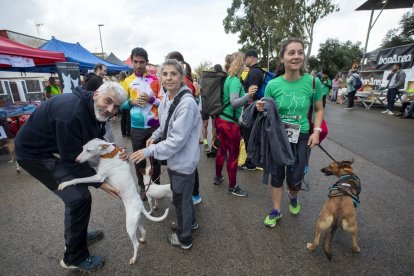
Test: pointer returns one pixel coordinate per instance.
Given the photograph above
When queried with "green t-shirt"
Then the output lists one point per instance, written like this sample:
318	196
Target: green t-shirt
232	85
294	99
325	88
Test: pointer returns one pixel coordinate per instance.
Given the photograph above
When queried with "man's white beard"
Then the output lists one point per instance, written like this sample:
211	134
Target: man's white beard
99	116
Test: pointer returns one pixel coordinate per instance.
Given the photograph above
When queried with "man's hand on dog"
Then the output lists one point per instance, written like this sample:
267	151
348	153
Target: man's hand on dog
123	154
111	190
137	156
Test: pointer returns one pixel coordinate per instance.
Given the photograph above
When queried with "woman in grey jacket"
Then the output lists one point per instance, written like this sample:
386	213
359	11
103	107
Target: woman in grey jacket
180	148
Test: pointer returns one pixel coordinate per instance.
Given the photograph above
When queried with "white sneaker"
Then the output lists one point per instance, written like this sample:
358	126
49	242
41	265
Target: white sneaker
390	113
385	111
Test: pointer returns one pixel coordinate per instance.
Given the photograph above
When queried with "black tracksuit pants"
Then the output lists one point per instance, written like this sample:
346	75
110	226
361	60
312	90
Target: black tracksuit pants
77	200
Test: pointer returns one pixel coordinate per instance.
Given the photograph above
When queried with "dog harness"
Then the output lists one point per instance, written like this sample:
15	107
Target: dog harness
343	188
112	154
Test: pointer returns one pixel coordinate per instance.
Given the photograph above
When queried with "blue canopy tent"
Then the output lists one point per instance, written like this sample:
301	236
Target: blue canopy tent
74	52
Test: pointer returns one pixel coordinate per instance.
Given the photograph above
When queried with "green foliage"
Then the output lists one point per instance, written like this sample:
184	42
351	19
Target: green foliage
264	24
313	62
402	35
335	56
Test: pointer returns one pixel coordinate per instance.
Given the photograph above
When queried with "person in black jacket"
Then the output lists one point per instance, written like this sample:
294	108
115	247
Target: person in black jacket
254	78
47	146
94	80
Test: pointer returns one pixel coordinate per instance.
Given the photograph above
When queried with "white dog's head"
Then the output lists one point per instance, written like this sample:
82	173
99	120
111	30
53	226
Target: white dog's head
94	148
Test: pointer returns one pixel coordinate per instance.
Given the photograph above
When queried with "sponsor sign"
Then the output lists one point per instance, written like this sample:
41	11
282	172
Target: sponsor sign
372	77
386	58
69	75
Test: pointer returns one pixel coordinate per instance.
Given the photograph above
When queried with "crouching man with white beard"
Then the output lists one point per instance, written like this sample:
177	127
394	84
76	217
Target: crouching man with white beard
60	127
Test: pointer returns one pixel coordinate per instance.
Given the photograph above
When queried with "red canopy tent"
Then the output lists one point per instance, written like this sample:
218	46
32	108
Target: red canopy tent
128	61
11	49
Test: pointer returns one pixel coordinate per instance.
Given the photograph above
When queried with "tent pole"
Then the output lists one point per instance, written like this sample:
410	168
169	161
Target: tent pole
366	41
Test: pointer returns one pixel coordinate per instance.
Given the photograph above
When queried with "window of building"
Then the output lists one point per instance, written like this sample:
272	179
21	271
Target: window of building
33	86
2	88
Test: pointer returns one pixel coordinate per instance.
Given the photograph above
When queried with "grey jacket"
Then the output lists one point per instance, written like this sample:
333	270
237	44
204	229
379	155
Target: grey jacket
268	146
181	148
351	81
399	79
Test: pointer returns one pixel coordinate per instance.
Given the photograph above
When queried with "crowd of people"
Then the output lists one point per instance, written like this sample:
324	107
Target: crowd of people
161	116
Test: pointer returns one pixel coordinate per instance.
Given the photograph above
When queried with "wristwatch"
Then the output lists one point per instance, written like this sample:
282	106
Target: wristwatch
317	129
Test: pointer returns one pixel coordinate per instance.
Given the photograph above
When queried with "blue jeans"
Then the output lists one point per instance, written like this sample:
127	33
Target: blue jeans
391	95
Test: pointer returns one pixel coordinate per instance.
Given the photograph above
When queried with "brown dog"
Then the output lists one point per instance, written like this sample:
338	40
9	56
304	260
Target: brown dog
9	145
339	209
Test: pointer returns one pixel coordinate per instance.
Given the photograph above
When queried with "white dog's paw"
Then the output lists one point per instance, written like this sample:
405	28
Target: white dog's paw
62	186
141	240
132	260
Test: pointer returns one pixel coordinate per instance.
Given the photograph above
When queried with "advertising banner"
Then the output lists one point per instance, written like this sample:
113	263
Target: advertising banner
69	75
372	77
386	58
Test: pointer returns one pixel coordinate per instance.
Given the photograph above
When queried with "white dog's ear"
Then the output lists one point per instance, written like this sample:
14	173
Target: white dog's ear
104	146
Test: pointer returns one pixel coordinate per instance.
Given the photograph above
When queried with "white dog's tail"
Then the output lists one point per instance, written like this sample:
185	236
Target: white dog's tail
155	218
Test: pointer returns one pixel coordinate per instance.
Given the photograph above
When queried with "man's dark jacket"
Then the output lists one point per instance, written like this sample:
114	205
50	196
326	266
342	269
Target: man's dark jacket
92	82
254	77
268	145
62	125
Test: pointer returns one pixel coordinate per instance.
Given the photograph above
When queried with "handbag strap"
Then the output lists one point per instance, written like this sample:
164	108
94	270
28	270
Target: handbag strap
174	104
313	99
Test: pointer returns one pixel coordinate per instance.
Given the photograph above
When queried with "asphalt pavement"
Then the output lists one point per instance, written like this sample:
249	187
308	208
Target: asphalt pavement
232	239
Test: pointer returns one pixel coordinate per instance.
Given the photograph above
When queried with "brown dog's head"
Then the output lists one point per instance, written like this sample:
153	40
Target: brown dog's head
338	168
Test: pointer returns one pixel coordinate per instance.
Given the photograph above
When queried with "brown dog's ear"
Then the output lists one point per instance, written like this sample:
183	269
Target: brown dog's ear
104	146
349	162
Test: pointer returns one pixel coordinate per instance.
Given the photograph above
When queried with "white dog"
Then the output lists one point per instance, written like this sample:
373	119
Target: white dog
154	191
116	172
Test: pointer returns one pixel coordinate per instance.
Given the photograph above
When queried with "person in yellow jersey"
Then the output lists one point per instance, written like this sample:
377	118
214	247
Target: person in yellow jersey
53	88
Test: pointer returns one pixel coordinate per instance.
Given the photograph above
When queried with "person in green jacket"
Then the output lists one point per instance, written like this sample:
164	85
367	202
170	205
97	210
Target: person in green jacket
326	87
53	88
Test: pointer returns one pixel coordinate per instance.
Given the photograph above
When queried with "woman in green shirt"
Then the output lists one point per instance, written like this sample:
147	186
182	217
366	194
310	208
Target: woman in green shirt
227	124
293	92
326	88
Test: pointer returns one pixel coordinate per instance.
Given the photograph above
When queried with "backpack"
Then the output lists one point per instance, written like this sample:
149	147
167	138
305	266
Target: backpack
358	82
267	76
212	85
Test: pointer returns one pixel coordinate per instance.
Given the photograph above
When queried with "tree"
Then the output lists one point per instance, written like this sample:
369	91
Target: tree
262	24
313	62
205	65
402	35
335	56
312	11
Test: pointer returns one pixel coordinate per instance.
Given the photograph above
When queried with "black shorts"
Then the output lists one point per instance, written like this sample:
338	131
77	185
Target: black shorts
204	115
294	174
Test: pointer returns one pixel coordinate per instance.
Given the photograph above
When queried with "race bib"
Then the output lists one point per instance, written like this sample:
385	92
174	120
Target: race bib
293	131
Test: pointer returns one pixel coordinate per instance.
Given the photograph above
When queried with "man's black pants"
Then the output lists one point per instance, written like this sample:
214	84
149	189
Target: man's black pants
77	200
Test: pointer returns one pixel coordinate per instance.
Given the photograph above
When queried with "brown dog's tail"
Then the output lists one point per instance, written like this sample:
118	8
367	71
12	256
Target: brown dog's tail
328	240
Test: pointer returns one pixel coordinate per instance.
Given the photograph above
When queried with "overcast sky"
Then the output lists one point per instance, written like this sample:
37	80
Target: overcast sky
193	27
